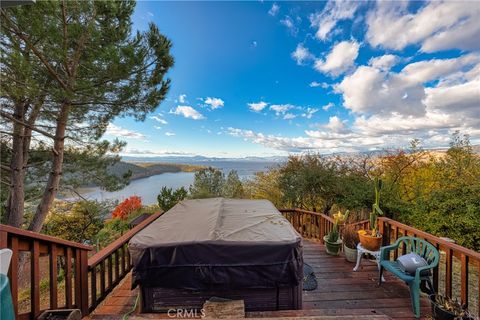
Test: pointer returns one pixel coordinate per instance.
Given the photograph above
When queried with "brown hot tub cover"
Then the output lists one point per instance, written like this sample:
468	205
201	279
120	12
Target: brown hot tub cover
218	244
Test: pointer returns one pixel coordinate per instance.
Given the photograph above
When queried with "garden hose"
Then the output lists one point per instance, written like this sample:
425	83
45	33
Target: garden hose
126	315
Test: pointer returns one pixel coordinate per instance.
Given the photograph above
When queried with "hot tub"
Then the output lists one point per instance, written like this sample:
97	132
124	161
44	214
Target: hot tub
227	248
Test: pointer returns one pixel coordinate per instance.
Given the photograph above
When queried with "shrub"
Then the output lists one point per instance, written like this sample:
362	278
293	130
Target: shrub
169	198
127	207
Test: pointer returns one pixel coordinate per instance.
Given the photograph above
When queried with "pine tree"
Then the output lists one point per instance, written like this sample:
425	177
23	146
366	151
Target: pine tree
70	68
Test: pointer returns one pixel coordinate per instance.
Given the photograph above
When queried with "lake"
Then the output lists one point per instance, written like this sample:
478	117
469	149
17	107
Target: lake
148	188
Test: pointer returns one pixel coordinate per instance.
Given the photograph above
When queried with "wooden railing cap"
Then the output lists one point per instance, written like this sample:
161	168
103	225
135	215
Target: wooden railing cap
430	237
42	237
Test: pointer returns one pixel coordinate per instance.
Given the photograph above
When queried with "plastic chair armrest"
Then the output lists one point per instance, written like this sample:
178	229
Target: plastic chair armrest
384	251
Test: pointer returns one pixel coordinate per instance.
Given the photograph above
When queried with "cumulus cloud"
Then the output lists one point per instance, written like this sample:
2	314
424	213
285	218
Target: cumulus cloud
334	11
169	134
214	103
187	112
274	10
340	59
159	118
436	26
257	106
289	116
301	55
117	131
375	91
335	124
385	62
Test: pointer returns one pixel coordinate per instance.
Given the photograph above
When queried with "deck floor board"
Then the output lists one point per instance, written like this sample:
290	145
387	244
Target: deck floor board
341	292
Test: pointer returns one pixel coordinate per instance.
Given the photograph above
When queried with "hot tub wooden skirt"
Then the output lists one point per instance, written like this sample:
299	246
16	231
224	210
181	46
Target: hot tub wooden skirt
161	300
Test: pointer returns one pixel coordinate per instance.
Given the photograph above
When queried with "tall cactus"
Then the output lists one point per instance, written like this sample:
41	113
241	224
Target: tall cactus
376	211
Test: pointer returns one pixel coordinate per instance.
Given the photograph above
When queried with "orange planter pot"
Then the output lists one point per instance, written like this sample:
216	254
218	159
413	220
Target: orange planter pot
370	242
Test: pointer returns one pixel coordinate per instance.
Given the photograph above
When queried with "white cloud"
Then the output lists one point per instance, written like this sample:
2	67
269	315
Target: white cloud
169	134
117	131
182	98
333	12
214	103
335	124
385	62
274	10
281	108
159	119
257	106
328	106
340	59
289	116
309	112
374	91
290	24
301	54
158	127
153	153
187	112
436	26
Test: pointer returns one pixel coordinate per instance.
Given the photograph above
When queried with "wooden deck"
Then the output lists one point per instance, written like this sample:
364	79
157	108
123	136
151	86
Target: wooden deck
341	293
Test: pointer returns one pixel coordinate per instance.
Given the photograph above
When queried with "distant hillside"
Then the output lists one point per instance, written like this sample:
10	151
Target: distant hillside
146	169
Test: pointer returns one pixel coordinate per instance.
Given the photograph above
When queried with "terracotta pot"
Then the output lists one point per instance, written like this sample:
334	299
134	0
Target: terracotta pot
332	248
370	242
350	254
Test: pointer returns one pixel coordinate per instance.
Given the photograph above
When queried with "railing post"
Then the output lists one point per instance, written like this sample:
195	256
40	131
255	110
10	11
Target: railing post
53	276
84	282
35	279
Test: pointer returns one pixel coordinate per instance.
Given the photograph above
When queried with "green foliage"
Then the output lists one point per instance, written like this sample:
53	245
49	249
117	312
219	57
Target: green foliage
75	221
72	68
208	183
111	230
265	185
211	182
437	193
312	181
169	197
233	187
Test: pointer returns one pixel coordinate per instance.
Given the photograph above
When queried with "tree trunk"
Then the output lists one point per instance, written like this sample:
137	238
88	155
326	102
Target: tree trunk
16	205
53	182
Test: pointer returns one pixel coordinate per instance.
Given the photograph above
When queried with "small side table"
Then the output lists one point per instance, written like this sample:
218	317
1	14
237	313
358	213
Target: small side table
361	251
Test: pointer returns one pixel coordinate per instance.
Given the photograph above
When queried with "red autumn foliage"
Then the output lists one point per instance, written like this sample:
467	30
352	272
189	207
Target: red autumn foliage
124	209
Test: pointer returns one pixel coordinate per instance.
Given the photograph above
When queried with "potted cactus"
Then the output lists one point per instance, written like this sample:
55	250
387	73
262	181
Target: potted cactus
372	239
333	243
350	241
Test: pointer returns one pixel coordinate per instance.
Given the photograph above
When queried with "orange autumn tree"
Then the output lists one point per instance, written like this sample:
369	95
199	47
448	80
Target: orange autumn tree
125	208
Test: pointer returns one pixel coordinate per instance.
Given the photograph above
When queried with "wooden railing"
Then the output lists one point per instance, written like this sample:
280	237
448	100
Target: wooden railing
33	251
457	276
86	281
110	265
458	273
315	225
89	280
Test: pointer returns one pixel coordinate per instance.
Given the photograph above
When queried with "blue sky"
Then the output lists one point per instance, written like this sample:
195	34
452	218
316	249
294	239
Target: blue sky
272	78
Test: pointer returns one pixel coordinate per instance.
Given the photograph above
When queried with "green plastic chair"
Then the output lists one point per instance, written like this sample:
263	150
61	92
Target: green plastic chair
424	249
